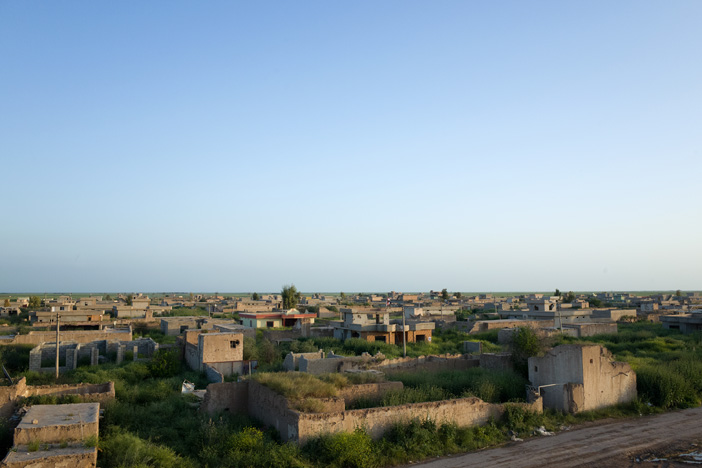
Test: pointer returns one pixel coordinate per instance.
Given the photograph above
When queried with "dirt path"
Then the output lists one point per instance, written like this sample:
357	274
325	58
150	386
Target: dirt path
627	443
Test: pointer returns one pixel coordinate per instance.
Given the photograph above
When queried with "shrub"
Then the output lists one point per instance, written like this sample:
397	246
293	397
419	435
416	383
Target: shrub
343	450
666	388
124	449
165	363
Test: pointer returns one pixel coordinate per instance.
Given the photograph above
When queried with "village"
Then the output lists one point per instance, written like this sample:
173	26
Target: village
305	368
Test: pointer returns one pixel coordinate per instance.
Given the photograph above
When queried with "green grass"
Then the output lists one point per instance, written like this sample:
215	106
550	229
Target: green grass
300	385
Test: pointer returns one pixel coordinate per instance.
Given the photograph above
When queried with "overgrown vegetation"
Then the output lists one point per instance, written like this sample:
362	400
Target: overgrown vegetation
150	424
490	386
668	364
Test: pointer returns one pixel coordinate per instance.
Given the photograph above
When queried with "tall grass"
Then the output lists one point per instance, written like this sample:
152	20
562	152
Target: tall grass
300	385
490	386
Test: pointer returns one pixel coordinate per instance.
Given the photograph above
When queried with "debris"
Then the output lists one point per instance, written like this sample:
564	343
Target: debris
187	387
542	431
516	439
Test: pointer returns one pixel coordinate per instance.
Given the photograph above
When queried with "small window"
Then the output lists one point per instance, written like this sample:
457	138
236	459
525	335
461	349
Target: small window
269	324
536	368
234	344
590	361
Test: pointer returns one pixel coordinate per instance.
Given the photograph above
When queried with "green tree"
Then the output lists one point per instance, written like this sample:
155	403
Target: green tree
129	299
7	302
458	295
34	302
255	297
291	296
108	297
678	293
526	343
570	297
342	296
557	293
444	294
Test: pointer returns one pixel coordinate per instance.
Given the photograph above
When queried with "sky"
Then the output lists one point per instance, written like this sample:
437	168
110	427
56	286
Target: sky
350	146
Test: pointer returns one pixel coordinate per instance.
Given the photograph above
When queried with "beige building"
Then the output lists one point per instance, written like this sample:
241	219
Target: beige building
577	378
217	354
276	318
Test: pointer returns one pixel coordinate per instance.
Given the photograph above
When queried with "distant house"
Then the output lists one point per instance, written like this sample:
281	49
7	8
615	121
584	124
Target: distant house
375	325
577	378
276	318
686	323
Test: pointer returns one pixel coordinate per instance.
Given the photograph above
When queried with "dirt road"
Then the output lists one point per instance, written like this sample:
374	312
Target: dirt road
646	442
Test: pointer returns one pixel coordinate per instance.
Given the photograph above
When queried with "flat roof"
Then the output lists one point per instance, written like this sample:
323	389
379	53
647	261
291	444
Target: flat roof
60	415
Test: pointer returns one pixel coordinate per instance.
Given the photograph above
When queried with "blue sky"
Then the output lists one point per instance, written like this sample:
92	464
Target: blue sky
357	146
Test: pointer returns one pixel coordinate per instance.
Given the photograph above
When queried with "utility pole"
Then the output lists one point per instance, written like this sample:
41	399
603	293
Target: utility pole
404	335
58	316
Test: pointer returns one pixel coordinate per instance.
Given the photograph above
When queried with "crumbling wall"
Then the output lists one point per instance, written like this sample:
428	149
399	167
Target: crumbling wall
605	382
581	378
271	409
429	363
89	392
9	395
376	421
332	364
228	396
77	336
496	361
73	457
292	360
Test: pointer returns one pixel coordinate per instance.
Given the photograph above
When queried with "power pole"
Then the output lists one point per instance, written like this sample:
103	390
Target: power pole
404	335
58	316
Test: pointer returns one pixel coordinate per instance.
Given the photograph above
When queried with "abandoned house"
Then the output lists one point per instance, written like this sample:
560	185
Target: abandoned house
577	378
686	323
72	354
375	325
217	354
276	318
